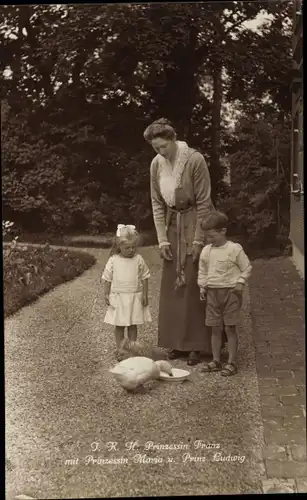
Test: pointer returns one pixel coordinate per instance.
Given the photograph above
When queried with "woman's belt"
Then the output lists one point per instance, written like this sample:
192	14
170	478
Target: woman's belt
180	275
183	210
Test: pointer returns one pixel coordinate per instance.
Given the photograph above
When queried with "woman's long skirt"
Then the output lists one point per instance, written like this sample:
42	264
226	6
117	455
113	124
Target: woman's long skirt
181	313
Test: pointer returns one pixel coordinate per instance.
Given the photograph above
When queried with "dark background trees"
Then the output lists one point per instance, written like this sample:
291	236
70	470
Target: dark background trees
81	82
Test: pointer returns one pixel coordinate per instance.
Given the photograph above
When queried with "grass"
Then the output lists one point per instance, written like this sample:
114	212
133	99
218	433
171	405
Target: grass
147	238
31	272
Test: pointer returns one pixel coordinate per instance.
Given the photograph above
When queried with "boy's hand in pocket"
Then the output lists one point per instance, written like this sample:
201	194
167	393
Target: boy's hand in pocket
238	290
203	294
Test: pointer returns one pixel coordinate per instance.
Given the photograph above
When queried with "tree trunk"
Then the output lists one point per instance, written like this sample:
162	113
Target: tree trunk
176	101
215	165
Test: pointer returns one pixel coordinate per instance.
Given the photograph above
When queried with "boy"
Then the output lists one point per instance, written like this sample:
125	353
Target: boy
223	271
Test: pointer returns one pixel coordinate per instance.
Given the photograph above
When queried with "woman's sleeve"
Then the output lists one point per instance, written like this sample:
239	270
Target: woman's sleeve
158	205
144	273
202	189
107	274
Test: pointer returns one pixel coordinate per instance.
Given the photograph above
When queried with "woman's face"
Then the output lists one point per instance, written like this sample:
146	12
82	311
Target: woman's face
164	147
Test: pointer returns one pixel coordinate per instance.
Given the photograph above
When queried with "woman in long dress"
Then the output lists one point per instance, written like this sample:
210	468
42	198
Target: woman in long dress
181	198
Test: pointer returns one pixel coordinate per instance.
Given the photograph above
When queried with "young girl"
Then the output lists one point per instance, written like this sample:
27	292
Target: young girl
126	286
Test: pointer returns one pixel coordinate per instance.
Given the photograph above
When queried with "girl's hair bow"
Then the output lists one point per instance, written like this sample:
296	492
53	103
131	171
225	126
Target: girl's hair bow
120	227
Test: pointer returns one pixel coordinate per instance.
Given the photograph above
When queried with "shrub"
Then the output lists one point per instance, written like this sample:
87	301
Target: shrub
30	272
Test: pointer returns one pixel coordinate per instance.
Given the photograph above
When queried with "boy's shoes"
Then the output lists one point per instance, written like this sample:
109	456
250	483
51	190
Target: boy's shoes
213	366
194	358
229	369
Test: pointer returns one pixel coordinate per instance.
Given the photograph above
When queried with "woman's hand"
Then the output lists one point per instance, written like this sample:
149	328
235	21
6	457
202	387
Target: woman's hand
166	252
196	251
107	300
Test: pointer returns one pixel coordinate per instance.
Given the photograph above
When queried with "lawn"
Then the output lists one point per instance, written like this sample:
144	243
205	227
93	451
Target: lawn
147	238
104	240
29	272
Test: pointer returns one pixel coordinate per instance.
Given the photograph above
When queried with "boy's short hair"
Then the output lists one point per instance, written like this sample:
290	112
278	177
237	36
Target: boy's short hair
217	220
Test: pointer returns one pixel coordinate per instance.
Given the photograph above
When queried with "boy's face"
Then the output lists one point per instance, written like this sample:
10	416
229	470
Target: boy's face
216	237
128	249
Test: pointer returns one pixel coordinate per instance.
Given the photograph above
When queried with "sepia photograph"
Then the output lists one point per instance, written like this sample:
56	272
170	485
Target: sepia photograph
153	249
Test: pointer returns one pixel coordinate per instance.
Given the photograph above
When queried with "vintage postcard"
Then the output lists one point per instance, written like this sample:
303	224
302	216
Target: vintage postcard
153	243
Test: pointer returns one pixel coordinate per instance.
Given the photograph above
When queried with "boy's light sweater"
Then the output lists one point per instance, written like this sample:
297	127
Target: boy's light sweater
223	267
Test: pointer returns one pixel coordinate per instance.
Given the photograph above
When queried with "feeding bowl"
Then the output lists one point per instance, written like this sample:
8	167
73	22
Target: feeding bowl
179	375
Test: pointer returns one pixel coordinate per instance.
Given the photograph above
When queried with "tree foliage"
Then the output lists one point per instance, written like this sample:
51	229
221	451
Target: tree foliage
258	202
82	82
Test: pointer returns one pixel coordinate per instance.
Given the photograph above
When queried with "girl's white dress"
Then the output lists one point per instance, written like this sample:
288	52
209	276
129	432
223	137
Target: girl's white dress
126	276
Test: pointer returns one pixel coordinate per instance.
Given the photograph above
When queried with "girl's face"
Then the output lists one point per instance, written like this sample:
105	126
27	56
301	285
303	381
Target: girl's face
164	147
128	249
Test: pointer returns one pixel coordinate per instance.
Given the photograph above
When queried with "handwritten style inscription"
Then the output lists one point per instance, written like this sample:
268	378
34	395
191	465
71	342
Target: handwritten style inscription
188	453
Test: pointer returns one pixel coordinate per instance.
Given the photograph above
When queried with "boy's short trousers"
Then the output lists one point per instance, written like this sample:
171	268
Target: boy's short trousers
222	307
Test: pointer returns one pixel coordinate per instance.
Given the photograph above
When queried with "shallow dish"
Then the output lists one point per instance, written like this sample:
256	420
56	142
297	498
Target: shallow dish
178	375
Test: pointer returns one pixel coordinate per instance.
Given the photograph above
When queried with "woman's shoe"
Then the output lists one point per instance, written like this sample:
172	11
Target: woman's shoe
194	358
174	354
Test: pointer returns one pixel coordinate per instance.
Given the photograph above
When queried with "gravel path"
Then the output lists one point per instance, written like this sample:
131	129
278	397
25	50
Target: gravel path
60	400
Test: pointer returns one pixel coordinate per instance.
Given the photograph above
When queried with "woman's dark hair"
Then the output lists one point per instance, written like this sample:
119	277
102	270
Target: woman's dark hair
162	128
217	220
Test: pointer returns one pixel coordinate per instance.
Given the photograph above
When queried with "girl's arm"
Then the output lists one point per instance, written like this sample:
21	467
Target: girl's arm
145	293
144	275
107	288
107	277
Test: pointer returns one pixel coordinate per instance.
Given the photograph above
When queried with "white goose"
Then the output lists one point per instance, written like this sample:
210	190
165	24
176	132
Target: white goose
133	373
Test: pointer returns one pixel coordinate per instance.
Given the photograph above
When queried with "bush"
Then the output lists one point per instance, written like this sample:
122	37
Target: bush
30	272
257	202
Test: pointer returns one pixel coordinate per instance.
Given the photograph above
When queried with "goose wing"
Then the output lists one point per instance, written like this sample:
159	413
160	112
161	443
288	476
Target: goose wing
137	362
134	372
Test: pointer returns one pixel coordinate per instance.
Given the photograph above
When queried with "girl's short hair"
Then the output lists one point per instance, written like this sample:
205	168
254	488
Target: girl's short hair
119	240
217	220
162	128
